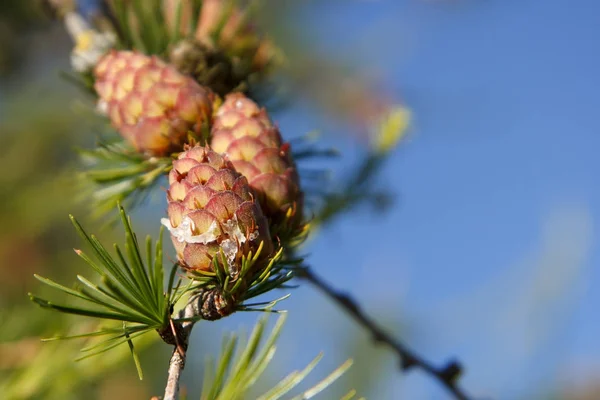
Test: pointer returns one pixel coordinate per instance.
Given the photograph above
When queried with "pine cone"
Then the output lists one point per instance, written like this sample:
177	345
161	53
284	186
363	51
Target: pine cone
150	103
243	132
213	213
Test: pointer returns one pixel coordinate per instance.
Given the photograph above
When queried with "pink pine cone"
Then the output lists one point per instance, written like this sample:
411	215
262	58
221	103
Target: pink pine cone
150	103
212	211
243	132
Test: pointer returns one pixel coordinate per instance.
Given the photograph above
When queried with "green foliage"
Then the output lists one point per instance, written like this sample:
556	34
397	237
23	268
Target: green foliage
235	373
143	26
150	33
47	371
117	174
274	276
131	290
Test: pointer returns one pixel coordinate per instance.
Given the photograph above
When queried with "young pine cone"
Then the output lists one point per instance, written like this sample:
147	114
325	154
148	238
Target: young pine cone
213	217
150	103
243	132
210	67
226	51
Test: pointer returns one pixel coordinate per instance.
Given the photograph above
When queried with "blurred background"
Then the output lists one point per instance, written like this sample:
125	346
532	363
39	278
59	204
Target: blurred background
488	253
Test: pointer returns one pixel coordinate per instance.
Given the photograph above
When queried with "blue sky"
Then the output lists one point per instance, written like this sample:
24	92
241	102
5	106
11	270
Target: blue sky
490	252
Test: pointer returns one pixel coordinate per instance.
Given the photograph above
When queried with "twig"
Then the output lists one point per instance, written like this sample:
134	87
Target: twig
176	366
181	336
447	375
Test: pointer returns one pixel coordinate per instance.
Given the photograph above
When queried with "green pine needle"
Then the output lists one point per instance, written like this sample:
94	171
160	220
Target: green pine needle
136	359
349	396
131	290
233	375
117	174
325	383
151	34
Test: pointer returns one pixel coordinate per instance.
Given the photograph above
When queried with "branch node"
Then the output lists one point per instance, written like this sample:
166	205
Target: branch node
172	334
451	372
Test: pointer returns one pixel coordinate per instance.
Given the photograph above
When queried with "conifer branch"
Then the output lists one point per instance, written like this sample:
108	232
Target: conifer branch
447	375
180	340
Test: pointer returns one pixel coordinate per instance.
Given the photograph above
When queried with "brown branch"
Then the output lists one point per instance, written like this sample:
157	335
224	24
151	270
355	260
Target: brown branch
447	375
178	335
176	366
